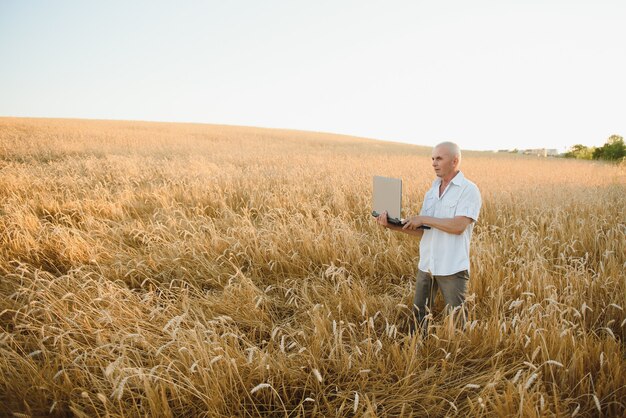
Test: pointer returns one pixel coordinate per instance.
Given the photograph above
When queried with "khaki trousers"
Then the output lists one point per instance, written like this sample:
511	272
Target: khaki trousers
453	288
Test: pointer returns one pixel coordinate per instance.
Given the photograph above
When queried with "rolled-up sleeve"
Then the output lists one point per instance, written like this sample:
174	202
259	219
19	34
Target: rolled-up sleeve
469	203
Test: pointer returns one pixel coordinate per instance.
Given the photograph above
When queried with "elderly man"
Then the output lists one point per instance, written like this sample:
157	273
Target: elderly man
450	208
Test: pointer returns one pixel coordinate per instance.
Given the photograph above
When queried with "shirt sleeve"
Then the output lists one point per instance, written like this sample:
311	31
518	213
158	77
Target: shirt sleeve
469	203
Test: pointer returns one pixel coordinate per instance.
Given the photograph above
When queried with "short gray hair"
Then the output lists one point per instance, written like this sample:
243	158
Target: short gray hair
453	148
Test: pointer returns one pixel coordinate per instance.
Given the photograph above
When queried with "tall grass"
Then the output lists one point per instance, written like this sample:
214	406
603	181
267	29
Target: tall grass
191	270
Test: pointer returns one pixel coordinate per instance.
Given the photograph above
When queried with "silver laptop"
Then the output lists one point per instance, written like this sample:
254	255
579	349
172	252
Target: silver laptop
387	196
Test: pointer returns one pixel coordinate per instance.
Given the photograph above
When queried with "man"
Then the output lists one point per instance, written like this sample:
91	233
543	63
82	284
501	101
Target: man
450	208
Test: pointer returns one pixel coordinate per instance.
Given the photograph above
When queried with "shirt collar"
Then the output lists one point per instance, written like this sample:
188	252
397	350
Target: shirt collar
459	180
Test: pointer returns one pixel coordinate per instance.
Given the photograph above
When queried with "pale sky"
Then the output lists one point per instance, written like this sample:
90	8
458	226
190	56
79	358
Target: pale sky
485	74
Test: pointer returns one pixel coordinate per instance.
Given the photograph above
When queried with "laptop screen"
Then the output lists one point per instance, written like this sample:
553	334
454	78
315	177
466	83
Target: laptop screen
387	196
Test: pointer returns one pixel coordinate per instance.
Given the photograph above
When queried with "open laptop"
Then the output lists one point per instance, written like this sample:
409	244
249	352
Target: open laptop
387	196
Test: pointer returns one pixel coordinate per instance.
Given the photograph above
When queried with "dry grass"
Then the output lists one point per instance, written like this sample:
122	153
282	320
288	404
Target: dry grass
187	270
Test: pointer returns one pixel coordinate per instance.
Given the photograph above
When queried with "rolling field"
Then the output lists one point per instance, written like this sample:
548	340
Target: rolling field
153	269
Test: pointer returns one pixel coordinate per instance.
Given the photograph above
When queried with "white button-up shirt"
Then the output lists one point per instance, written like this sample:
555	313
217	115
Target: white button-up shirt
442	253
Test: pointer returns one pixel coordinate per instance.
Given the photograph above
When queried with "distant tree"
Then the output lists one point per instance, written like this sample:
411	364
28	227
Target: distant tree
580	152
613	150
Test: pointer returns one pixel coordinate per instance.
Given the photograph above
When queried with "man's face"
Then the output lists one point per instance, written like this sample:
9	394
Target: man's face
443	161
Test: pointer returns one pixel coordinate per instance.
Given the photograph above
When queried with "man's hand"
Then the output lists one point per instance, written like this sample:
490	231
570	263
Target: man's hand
414	222
382	219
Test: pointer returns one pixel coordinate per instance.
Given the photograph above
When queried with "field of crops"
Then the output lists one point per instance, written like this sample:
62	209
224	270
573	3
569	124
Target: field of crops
153	269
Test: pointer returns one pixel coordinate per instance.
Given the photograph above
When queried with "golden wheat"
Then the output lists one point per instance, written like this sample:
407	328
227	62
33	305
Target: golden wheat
193	270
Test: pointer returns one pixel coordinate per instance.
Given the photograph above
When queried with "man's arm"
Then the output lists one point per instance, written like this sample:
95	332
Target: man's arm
454	225
382	220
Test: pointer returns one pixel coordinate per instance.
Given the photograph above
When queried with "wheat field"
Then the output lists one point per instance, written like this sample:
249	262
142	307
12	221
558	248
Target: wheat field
154	269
